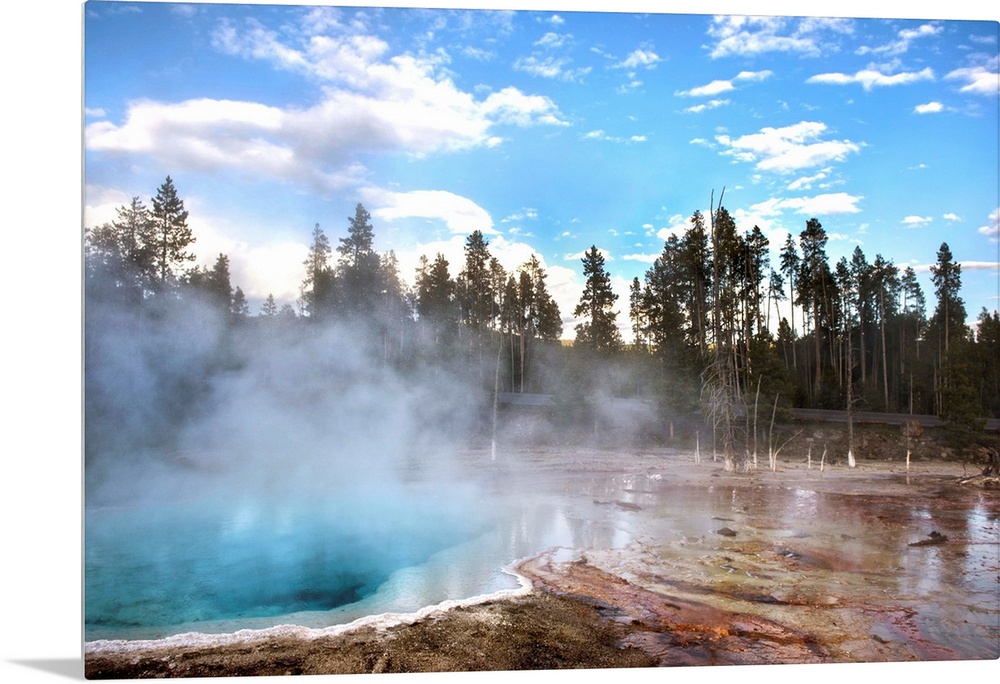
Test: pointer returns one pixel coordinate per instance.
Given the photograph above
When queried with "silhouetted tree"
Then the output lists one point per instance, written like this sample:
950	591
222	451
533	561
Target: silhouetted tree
360	276
317	288
599	329
170	234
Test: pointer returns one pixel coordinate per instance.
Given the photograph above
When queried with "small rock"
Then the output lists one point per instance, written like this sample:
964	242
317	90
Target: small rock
934	537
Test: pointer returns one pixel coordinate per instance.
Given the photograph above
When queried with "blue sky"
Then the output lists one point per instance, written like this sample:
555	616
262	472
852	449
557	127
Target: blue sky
549	130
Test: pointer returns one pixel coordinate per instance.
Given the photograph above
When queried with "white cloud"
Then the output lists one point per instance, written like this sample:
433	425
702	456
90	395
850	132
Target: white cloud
788	149
543	63
525	214
459	214
951	216
818	205
916	220
677	226
872	78
980	265
552	40
640	58
720	86
511	106
599	134
807	182
904	39
549	66
478	53
371	102
749	36
929	108
643	258
992	227
711	104
979	80
577	256
714	88
101	205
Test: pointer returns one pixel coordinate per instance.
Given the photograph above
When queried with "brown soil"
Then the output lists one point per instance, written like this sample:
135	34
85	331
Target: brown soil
541	631
612	609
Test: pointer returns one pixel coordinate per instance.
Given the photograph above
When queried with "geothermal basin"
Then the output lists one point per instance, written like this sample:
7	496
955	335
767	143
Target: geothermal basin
695	565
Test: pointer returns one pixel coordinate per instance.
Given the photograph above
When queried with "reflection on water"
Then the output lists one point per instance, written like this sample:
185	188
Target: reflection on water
332	562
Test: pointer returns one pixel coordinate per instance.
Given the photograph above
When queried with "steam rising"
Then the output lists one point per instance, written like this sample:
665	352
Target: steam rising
297	410
292	457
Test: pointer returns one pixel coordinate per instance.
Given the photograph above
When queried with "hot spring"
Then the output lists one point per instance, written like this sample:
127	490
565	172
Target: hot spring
218	564
158	569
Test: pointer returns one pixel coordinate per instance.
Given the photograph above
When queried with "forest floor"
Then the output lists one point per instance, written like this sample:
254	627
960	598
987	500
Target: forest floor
751	591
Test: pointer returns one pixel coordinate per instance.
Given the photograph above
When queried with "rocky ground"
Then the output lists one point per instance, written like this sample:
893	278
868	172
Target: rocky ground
652	604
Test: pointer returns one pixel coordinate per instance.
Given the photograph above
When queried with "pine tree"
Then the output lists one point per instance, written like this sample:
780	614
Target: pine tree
359	267
476	297
171	235
317	289
599	329
637	313
240	307
988	358
119	256
816	287
537	315
696	265
790	267
949	317
269	308
395	313
911	327
947	327
435	304
663	302
219	286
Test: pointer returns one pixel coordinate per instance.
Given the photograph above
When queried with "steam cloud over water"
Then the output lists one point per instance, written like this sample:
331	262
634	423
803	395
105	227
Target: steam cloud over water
259	471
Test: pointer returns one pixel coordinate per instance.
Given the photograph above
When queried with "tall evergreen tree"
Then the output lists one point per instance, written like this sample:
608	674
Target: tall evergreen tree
599	329
269	308
849	281
476	296
214	283
885	289
119	256
946	328
696	265
664	300
637	314
240	308
913	318
949	316
988	360
435	294
359	267
395	312
757	267
436	306
544	319
816	286
317	288
171	235
790	267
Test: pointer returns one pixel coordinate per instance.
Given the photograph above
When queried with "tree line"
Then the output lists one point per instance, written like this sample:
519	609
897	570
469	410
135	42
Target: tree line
141	262
707	332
